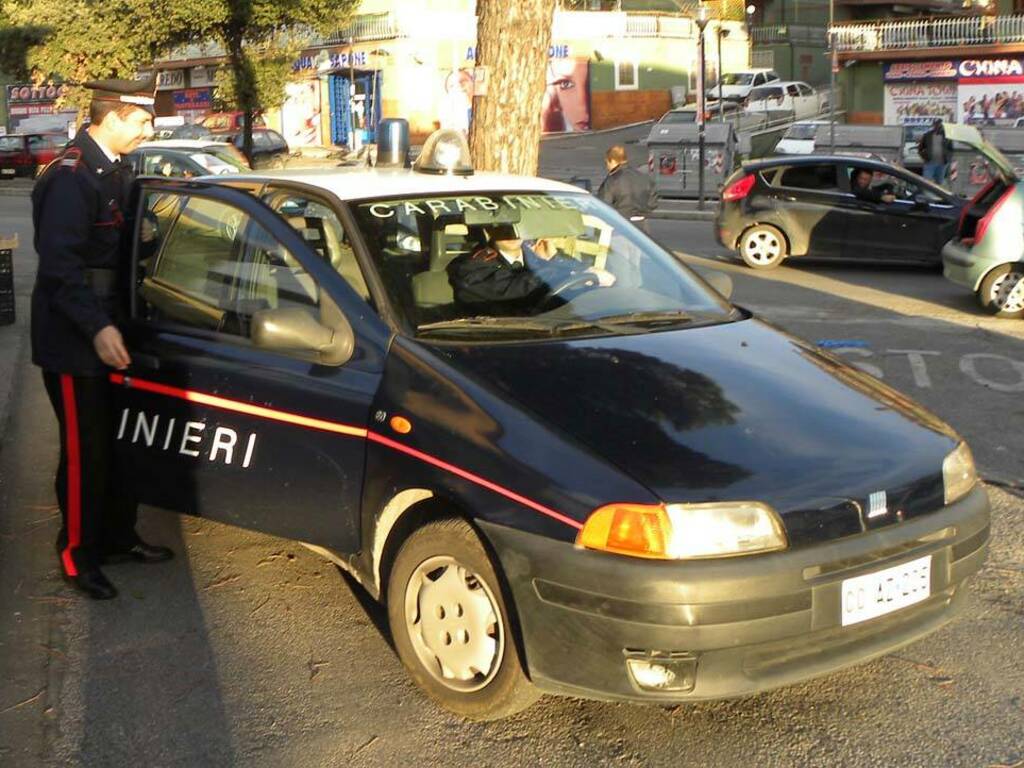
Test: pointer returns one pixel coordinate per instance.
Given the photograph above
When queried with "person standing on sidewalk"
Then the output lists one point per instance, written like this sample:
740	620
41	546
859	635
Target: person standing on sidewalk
627	190
936	151
79	204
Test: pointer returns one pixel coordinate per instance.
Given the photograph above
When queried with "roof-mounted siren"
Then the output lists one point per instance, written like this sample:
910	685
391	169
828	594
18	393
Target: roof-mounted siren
393	143
446	152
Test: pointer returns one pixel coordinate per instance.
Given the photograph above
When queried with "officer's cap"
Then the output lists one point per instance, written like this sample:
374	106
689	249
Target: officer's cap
139	93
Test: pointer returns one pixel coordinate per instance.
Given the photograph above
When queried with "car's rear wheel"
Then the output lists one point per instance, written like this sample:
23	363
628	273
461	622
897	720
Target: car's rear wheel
763	247
451	626
1002	291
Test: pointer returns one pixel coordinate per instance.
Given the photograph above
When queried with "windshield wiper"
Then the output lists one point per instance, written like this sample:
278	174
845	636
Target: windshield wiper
487	321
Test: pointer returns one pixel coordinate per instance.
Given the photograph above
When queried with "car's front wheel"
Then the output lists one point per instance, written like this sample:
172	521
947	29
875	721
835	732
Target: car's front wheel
451	626
763	247
1002	291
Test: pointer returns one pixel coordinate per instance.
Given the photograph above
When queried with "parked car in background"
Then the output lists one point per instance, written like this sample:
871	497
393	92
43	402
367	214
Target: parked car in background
228	121
986	255
191	131
23	154
736	86
222	149
150	160
793	96
805	206
688	114
799	138
269	149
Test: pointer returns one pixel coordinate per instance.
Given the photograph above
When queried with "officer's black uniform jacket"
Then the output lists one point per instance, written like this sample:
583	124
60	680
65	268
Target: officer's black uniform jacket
629	192
486	283
79	206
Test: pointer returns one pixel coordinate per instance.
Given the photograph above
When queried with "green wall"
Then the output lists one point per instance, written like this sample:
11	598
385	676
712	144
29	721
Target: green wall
862	87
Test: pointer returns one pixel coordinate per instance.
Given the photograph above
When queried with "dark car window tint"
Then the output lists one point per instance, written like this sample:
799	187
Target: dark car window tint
276	140
217	268
817	177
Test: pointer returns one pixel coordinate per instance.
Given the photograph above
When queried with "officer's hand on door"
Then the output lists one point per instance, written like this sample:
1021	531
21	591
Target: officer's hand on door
110	348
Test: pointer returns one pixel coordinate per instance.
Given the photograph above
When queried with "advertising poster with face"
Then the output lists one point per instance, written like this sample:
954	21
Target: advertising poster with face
300	114
457	106
566	106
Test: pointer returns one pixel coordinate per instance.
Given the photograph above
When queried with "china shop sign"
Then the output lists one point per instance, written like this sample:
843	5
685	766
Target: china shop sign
1008	70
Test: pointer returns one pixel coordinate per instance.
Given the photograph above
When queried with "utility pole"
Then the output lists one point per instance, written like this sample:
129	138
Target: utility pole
702	21
833	65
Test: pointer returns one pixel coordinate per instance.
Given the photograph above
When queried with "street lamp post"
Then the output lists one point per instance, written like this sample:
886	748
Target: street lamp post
721	93
832	65
702	21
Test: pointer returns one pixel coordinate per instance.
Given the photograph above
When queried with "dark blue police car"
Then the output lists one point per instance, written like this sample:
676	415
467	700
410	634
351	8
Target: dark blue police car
562	460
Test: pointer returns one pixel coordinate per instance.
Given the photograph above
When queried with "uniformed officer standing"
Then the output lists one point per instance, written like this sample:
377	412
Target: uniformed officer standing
79	205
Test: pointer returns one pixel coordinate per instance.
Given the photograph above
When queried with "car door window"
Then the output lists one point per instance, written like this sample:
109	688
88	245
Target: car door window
319	226
9	144
758	80
276	140
261	140
805	90
215	268
154	164
822	178
772	76
792	90
903	189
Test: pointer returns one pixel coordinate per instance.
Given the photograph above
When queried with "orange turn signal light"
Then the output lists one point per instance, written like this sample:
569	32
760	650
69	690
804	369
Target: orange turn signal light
401	425
640	530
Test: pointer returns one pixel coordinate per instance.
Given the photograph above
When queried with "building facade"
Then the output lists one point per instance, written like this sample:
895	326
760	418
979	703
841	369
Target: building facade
415	59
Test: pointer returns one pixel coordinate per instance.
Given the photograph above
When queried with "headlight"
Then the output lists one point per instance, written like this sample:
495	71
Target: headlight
958	473
684	531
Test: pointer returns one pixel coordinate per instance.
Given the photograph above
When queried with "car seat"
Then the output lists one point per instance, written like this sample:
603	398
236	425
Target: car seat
432	288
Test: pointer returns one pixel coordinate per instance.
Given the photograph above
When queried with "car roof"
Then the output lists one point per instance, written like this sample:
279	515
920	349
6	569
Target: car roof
362	183
182	143
753	71
778	83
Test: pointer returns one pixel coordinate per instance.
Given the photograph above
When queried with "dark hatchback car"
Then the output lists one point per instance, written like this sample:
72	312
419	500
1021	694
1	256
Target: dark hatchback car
269	148
22	154
617	486
805	206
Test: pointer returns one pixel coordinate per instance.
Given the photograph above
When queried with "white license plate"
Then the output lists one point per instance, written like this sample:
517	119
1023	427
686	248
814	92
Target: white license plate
876	594
6	171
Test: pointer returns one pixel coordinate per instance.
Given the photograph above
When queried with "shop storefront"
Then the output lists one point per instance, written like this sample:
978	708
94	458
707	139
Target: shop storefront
33	109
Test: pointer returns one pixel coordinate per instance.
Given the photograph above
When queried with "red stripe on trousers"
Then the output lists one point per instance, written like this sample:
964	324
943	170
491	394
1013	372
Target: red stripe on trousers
74	474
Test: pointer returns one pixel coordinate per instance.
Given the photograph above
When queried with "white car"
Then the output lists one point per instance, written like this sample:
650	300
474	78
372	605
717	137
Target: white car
736	86
794	96
799	138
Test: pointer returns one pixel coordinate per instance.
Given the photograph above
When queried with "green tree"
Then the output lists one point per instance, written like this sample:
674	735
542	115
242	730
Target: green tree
79	40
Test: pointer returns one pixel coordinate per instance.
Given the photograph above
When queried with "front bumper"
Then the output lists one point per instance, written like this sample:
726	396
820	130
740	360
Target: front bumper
960	265
747	624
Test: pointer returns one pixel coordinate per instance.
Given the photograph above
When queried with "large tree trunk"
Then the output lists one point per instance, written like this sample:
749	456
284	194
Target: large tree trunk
245	89
513	39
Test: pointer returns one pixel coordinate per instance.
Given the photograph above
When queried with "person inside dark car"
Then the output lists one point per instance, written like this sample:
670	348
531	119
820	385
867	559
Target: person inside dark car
860	183
511	277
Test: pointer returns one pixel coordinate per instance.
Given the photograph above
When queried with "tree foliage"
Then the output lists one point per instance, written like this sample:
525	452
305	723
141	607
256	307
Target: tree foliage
79	40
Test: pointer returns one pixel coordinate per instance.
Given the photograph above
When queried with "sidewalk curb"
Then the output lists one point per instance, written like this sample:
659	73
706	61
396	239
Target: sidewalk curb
15	191
683	215
586	134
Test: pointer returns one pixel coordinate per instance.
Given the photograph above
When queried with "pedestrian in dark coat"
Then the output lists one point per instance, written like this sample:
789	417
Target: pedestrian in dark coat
627	190
80	204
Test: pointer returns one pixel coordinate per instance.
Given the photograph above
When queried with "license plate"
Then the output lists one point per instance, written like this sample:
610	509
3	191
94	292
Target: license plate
6	171
876	594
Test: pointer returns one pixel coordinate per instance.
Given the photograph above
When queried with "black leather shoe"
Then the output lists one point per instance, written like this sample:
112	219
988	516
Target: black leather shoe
140	552
93	583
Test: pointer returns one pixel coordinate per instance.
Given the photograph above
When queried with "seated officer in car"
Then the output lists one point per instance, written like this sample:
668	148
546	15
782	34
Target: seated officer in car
509	277
861	185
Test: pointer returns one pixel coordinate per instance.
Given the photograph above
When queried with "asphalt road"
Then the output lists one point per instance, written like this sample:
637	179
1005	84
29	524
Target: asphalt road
249	650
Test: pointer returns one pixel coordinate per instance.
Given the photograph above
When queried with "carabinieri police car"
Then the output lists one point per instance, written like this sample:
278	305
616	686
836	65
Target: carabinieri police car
562	460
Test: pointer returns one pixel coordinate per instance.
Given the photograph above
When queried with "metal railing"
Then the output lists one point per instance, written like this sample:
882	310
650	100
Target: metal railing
771	34
376	26
929	33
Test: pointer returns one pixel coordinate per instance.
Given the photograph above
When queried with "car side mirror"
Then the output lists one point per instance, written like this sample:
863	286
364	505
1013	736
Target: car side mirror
720	281
292	329
921	203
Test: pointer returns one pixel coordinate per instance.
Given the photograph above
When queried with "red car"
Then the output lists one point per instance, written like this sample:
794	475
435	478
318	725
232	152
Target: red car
22	154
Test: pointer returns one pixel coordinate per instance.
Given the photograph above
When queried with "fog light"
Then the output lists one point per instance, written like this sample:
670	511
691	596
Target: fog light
658	671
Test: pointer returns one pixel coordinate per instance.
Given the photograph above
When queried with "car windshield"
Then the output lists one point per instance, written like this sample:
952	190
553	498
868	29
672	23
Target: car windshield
737	78
212	163
801	131
526	265
767	92
681	116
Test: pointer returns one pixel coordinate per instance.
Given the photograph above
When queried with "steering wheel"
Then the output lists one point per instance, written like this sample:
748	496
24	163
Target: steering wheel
578	282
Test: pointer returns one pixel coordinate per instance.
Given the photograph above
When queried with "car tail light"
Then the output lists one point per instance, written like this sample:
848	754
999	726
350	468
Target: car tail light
738	189
982	227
